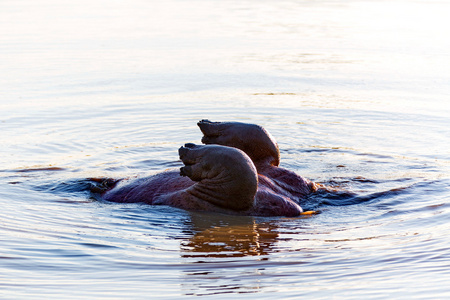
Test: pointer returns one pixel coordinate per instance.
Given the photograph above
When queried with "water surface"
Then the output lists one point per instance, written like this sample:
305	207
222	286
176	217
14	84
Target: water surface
355	92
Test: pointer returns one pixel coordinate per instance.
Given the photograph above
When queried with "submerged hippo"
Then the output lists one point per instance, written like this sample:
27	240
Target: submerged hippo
236	172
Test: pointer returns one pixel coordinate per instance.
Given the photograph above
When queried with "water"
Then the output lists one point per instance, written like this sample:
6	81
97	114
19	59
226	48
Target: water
355	92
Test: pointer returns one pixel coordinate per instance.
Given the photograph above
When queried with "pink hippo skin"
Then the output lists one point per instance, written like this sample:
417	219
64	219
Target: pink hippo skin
236	172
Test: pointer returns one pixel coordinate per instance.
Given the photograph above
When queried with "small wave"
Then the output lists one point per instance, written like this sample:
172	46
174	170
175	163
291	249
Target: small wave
71	186
344	198
337	197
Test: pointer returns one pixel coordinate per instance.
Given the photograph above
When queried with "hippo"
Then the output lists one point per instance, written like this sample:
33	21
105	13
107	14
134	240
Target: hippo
236	171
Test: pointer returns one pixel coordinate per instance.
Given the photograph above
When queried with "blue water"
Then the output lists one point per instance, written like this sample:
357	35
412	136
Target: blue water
355	92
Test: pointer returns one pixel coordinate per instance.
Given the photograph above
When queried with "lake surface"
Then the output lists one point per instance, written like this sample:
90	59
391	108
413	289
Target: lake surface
355	92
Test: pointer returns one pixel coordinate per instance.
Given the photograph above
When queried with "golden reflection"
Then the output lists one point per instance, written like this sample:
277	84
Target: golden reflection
228	236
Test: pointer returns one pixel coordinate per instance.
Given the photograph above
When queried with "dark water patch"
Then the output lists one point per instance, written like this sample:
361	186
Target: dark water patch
319	149
73	201
95	245
35	169
14	182
11	257
40	169
340	181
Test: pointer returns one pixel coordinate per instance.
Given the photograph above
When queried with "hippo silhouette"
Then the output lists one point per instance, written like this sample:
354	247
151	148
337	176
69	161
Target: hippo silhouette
236	171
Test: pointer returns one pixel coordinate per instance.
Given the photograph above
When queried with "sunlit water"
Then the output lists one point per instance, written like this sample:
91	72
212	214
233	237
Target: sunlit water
355	92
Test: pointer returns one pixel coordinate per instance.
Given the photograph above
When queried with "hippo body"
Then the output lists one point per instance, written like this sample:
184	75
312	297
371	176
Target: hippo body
235	172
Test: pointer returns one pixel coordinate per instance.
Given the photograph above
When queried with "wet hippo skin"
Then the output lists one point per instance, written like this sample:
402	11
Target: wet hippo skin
236	172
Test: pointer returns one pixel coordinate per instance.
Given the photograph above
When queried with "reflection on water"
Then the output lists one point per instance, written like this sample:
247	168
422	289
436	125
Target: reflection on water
218	245
355	92
225	237
215	237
